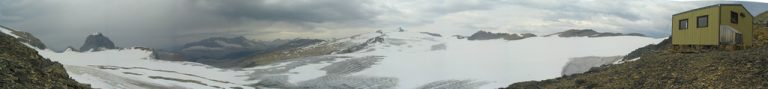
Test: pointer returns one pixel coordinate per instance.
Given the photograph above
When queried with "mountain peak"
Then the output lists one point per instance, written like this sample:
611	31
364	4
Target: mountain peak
97	41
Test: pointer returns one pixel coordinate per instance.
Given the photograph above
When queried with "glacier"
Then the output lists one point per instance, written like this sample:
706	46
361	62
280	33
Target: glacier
400	60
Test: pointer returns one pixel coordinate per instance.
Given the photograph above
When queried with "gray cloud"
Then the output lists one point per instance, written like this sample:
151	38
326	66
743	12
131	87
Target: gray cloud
300	11
167	23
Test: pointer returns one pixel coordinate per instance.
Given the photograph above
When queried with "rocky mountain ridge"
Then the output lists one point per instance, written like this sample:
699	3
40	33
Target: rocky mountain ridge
590	33
484	35
22	68
25	37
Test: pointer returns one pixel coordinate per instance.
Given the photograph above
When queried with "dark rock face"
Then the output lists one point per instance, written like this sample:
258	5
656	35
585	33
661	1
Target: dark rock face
25	37
483	35
97	42
22	68
590	33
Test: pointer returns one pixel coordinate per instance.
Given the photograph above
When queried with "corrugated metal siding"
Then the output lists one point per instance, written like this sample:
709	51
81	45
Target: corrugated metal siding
744	24
695	35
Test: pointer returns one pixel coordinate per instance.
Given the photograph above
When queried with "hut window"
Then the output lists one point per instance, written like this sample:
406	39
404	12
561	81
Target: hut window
702	21
734	17
683	24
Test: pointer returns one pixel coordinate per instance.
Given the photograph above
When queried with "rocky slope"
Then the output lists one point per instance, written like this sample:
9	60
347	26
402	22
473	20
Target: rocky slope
22	68
761	20
25	37
660	68
96	42
719	69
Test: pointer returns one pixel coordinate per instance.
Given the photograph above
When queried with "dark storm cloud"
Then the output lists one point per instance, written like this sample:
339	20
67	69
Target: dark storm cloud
294	10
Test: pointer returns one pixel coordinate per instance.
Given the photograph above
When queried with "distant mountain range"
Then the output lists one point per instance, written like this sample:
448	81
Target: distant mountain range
223	52
590	33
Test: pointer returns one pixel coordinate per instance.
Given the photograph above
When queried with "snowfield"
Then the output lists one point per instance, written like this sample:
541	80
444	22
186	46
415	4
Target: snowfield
133	68
401	60
490	63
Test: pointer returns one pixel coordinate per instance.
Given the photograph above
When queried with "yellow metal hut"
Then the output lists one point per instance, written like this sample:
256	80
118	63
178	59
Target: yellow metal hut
715	25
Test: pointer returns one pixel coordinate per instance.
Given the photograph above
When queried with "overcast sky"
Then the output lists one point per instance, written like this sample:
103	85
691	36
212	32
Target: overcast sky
169	23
